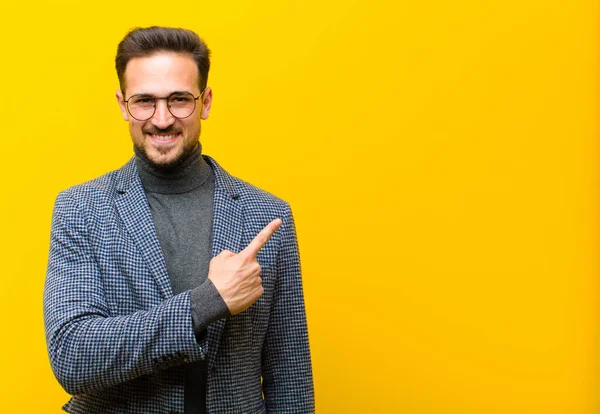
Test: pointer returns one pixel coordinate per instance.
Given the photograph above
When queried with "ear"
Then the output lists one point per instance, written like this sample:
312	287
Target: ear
122	105
206	103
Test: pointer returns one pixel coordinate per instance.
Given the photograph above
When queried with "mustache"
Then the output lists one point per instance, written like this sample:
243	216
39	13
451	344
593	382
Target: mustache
157	131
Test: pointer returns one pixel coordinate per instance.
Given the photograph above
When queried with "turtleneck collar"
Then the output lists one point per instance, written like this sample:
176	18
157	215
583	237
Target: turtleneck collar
189	174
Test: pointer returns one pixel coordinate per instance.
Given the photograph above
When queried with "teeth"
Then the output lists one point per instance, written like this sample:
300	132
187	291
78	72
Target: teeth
163	137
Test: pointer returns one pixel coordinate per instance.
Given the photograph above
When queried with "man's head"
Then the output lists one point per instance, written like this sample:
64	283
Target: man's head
158	62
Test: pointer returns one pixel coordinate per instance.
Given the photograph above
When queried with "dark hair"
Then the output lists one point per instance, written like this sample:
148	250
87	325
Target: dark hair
146	41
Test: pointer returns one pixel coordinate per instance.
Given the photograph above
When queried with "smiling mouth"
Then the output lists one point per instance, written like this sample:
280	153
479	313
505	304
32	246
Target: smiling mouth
164	138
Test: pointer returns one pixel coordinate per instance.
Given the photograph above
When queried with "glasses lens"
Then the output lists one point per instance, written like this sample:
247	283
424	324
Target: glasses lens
181	105
141	107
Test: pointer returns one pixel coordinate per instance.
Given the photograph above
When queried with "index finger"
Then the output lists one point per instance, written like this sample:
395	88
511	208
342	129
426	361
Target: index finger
261	238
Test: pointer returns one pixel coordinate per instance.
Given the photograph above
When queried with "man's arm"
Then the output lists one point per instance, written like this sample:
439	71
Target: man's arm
286	364
89	349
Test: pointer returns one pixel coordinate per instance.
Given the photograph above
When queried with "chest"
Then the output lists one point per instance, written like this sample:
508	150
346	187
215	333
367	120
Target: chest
183	224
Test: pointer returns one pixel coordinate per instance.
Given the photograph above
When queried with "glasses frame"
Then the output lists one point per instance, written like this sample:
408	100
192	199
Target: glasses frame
166	98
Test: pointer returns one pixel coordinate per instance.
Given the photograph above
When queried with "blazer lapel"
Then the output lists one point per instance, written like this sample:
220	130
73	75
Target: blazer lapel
227	235
135	212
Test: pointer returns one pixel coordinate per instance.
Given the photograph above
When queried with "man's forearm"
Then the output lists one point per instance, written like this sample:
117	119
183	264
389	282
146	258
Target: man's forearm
92	352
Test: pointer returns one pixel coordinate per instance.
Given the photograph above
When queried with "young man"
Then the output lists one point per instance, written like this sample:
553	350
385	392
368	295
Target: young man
173	287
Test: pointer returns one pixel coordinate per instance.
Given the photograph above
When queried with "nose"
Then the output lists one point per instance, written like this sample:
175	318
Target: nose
162	118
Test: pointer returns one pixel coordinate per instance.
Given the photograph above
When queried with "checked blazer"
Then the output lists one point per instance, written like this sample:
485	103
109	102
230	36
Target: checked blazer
117	337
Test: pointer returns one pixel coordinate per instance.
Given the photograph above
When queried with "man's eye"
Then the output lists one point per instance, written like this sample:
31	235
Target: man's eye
143	101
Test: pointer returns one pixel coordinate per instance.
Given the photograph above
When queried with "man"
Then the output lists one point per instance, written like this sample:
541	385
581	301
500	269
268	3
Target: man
173	287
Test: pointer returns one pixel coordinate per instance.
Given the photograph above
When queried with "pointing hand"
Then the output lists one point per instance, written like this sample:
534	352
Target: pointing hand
237	276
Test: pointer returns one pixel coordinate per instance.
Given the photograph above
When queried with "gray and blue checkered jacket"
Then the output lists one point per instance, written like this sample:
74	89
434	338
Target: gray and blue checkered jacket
117	337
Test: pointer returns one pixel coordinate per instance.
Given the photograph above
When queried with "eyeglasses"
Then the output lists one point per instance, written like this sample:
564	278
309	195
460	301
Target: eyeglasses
180	105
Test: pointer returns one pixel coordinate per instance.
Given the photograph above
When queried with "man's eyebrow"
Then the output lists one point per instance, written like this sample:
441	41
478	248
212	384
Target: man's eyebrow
142	94
180	92
154	96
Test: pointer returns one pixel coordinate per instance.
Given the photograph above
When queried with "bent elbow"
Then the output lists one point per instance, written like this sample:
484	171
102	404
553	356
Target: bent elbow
69	377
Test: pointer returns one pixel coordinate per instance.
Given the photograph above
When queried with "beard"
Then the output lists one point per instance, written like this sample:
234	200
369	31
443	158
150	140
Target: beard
177	161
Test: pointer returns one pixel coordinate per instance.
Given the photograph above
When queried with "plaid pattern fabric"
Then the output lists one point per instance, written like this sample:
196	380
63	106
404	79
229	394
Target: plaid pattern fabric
117	337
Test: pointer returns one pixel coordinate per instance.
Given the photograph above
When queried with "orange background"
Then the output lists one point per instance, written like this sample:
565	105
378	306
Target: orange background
440	157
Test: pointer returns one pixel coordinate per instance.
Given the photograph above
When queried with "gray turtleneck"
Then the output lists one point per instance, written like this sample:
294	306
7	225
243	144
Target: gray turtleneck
181	203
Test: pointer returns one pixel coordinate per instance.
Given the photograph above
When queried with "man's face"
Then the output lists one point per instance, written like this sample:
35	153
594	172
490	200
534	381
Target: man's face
164	139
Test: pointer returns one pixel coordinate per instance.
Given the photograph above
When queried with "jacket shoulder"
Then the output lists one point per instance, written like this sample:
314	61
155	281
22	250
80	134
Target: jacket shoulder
252	194
104	187
249	195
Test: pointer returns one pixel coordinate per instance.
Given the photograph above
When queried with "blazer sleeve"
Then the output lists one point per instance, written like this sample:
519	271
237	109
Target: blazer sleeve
89	349
286	362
